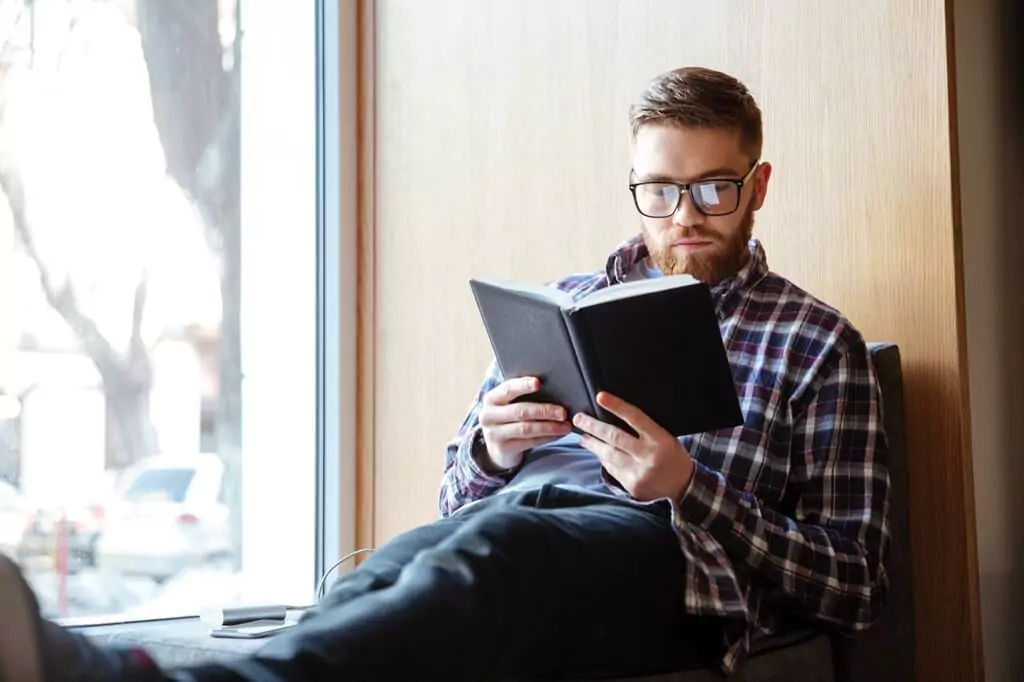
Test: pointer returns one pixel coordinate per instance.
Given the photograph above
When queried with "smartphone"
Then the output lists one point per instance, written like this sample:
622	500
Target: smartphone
254	630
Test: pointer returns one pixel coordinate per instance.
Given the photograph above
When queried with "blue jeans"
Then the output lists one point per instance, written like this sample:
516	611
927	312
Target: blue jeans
543	582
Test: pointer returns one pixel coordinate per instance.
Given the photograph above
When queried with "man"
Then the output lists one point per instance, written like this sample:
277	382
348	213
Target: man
606	551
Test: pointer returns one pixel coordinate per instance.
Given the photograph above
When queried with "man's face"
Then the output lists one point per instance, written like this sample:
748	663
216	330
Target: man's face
688	242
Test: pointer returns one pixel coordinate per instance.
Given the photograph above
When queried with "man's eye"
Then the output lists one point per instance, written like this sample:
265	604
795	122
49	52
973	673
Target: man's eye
709	193
664	191
716	193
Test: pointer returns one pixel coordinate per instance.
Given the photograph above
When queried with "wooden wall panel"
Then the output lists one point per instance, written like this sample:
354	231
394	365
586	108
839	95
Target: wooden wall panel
500	148
990	168
367	299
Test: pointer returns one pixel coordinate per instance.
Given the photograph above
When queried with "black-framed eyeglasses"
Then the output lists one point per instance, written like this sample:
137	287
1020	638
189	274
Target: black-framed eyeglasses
712	197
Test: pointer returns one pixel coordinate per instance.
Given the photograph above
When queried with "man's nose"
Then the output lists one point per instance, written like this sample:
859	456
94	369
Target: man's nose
686	214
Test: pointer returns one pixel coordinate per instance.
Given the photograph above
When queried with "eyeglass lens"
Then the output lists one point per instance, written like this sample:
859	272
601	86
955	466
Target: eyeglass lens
662	199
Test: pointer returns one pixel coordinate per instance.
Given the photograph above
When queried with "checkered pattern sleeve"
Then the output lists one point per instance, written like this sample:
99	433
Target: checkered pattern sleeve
827	557
464	481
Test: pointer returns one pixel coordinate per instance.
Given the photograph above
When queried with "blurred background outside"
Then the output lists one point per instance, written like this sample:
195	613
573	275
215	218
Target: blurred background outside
121	303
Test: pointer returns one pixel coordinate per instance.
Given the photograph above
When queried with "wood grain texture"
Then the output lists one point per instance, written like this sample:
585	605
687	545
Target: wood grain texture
973	635
501	150
367	307
989	162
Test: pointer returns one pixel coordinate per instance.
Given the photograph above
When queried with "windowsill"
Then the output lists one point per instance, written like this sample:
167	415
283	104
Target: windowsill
174	642
89	623
98	629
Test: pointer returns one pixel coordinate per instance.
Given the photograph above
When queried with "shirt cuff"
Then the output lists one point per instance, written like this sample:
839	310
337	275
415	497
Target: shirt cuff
610	481
472	468
702	501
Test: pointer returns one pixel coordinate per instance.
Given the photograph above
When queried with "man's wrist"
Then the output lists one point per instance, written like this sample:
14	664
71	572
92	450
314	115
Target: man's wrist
687	479
479	452
701	500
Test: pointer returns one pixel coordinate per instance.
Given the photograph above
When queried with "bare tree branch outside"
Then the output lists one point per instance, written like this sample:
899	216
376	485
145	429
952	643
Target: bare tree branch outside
194	84
123	291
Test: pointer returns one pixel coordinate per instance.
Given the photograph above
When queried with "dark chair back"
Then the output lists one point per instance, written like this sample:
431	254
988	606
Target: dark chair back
886	652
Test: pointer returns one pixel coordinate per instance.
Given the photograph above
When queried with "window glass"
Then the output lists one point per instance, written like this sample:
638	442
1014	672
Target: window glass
141	329
168	485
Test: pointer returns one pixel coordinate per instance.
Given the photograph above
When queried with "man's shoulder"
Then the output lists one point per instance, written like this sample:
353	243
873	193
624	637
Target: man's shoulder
792	307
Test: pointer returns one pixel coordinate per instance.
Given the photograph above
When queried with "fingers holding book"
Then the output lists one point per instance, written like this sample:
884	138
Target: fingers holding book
651	465
510	389
511	428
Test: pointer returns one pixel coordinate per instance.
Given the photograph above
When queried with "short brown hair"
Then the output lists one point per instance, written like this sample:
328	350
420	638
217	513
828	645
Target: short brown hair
695	97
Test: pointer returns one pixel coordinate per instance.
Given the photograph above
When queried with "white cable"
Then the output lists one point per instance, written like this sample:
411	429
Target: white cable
339	562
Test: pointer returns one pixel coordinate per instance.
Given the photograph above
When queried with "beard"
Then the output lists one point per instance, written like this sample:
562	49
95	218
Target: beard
710	265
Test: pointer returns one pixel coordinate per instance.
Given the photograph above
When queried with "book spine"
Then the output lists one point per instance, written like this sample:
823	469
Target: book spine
585	359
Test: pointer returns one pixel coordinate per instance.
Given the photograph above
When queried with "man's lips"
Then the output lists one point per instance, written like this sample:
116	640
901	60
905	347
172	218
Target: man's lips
692	243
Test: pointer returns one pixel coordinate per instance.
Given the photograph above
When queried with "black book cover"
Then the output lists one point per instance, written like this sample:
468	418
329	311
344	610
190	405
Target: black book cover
529	337
655	344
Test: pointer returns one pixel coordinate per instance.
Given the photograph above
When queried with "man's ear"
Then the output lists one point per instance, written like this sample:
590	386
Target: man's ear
761	177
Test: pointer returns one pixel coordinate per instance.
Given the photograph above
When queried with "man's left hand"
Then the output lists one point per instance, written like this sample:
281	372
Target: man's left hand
651	465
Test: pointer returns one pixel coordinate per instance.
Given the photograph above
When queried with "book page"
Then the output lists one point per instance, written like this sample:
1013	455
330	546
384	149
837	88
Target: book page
638	288
549	293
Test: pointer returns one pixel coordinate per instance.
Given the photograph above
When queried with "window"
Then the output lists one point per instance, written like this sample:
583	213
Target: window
168	304
168	485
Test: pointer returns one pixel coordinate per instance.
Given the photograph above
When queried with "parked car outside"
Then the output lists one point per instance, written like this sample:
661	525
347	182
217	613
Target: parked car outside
168	515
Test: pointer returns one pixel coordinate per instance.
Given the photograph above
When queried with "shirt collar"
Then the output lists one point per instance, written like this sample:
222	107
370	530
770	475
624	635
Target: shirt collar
725	293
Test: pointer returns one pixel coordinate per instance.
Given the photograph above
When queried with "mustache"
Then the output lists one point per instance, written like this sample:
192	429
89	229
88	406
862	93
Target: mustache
692	234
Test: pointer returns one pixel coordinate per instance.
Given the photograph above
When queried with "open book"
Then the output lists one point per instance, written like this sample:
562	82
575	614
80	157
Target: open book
654	343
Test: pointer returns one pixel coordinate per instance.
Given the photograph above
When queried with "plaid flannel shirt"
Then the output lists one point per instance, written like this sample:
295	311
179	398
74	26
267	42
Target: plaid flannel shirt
786	515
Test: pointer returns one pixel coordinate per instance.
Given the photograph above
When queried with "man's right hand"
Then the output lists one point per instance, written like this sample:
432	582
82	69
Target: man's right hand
510	429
